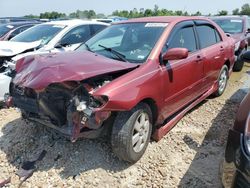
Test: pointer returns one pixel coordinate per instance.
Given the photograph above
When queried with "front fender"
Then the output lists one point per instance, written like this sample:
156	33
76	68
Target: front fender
128	90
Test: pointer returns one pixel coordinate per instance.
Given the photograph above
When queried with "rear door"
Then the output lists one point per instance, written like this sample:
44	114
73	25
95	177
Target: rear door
212	50
183	78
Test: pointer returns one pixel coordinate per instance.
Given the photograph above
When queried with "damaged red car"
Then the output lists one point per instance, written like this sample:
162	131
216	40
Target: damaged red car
133	80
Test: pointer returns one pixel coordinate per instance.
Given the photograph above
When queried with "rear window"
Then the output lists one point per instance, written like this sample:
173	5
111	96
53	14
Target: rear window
207	35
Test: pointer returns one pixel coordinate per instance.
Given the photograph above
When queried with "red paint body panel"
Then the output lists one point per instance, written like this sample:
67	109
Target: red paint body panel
171	86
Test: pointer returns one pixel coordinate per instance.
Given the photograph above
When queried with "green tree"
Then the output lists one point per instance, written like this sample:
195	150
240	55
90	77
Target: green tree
179	13
156	10
245	9
148	12
236	11
222	13
100	15
52	15
198	13
31	16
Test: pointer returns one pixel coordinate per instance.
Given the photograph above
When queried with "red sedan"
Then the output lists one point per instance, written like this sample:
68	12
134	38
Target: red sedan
134	79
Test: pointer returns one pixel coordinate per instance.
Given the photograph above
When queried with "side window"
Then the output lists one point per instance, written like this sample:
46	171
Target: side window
218	36
96	28
184	38
77	35
206	35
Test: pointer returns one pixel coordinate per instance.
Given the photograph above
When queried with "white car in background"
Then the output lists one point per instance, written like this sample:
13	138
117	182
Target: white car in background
50	37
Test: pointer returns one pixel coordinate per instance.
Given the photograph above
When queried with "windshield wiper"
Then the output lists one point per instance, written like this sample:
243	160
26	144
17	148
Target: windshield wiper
118	54
88	48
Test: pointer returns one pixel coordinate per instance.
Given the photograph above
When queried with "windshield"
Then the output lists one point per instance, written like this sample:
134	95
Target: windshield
5	29
132	41
40	32
231	26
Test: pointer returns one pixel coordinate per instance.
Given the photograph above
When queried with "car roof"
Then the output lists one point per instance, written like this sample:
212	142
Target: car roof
74	22
164	19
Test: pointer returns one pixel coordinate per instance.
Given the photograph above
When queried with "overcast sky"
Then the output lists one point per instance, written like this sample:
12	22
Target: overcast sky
25	7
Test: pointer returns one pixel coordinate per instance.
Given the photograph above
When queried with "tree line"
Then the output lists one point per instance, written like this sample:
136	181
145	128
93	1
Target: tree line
135	13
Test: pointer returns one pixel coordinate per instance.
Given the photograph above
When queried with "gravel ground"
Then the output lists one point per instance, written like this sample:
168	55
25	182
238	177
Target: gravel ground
188	156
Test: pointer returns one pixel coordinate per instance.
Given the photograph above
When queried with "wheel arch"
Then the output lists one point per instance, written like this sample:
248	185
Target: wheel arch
152	105
228	64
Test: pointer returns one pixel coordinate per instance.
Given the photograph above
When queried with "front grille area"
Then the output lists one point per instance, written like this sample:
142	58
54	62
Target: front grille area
50	103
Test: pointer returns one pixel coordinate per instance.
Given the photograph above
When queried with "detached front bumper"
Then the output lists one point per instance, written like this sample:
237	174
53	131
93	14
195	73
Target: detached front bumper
236	165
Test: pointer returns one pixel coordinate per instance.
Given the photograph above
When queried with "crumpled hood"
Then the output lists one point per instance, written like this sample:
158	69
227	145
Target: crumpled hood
11	48
38	72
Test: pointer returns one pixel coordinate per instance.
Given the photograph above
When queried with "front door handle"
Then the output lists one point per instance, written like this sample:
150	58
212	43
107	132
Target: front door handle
221	48
199	58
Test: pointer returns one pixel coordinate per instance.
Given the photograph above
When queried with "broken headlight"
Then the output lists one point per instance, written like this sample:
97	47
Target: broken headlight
98	101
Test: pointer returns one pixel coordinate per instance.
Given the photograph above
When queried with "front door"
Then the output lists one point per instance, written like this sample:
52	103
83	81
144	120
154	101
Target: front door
182	78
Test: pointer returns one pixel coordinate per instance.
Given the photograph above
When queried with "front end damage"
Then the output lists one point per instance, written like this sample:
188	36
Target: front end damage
68	107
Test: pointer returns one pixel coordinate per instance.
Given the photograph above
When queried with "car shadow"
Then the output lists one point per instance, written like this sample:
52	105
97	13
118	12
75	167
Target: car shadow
24	141
210	152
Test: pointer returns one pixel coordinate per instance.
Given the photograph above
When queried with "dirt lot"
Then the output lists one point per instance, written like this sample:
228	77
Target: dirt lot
189	156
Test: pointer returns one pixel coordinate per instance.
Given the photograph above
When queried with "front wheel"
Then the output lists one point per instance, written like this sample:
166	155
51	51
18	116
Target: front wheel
131	133
222	81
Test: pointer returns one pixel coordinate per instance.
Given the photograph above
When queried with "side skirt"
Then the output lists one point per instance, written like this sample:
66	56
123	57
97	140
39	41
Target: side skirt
163	130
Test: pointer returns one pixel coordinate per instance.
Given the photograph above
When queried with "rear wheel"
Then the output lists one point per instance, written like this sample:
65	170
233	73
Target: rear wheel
131	133
222	81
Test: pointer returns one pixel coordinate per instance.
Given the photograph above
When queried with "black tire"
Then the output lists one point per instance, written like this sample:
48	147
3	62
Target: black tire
123	132
220	91
239	63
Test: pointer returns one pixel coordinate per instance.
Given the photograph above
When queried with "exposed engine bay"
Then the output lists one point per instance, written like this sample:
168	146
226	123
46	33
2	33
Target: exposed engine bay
68	107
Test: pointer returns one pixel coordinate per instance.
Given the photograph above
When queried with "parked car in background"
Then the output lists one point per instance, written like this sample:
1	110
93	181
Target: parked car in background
10	30
131	79
239	28
4	20
248	33
110	19
236	166
50	37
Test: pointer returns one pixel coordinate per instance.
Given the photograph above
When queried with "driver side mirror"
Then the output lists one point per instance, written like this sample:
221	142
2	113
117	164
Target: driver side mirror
175	54
246	57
